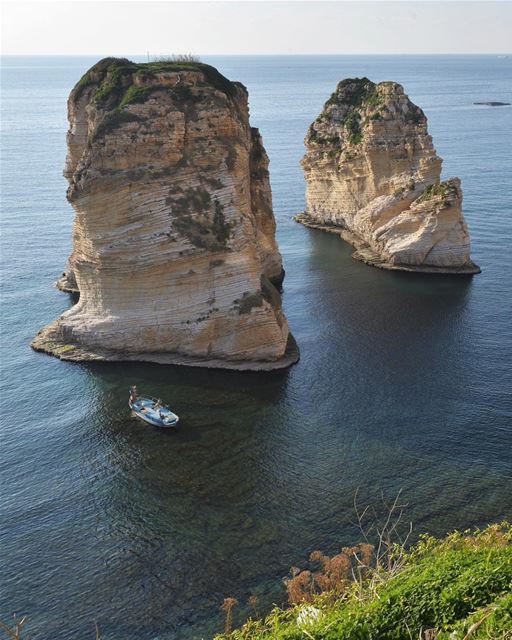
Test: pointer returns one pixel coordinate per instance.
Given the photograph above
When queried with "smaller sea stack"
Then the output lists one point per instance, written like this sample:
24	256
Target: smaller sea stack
373	177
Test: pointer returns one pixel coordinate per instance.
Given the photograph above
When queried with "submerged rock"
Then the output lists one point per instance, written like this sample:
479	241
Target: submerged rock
373	177
174	250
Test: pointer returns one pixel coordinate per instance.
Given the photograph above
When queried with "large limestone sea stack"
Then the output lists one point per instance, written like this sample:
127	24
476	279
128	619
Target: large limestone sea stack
174	254
373	177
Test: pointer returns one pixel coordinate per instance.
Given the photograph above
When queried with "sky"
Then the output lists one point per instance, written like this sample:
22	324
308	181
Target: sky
124	28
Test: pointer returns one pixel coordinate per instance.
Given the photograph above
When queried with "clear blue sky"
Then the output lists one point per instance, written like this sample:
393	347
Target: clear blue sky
265	27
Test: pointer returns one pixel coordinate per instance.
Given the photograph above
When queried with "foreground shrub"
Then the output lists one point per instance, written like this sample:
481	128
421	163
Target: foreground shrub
442	590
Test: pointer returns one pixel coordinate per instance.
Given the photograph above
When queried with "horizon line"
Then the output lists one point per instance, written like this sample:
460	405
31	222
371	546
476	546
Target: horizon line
238	55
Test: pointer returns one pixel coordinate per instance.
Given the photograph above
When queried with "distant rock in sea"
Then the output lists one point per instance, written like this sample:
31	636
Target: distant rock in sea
493	104
174	251
373	177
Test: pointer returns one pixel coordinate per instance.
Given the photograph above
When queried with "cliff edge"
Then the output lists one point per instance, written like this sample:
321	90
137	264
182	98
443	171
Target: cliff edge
373	177
174	251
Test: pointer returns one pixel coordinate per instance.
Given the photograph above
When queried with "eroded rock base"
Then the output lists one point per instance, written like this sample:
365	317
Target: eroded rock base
364	253
49	341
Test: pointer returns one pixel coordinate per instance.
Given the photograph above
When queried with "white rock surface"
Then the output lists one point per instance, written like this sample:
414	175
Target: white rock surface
373	176
174	251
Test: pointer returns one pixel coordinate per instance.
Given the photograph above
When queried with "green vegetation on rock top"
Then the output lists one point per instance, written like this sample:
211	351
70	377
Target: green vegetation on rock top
362	102
114	88
117	76
355	92
447	586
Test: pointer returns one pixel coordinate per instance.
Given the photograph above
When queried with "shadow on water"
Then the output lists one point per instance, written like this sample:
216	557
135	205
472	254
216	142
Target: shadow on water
190	388
398	323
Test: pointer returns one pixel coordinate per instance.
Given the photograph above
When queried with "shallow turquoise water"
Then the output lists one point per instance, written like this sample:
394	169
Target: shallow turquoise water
404	381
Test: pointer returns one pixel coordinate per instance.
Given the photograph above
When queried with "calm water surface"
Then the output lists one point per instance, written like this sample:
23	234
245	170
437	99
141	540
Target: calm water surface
405	381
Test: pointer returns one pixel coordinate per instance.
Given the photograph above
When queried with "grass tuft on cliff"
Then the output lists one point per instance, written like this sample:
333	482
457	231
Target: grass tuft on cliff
445	190
455	588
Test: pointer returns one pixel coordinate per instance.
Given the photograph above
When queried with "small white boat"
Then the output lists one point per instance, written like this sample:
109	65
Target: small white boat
152	411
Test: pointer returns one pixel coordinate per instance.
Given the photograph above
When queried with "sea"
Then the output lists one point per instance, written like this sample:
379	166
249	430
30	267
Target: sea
403	389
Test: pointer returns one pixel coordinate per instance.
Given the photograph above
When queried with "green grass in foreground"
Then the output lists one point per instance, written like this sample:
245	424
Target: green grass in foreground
459	586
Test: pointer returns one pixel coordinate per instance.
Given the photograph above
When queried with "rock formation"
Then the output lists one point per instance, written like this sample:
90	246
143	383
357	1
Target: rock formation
373	177
174	254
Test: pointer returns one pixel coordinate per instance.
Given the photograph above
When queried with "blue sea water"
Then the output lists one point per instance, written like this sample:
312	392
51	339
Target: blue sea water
405	381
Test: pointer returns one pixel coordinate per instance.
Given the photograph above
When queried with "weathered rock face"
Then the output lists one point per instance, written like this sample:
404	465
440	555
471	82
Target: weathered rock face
174	254
373	176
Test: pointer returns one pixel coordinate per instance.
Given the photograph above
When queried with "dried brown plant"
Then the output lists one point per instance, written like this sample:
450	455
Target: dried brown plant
15	631
388	531
253	602
333	574
383	547
300	587
227	607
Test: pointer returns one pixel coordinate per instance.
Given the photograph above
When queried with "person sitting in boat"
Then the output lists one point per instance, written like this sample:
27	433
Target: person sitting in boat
133	394
158	405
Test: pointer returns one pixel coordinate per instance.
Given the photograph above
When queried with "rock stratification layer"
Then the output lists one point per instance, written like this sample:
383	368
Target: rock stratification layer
373	177
174	254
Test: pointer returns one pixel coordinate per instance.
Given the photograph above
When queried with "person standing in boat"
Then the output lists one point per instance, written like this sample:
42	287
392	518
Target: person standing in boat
133	394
